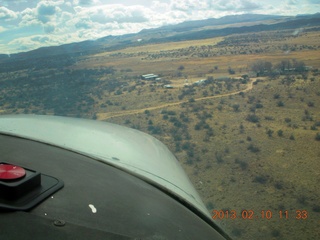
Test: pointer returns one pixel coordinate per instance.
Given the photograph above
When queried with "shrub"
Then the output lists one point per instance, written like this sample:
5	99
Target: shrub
287	120
210	206
231	71
181	68
197	127
171	113
316	208
275	233
165	117
236	107
241	128
314	127
269	132
190	153
261	179
318	137
186	146
253	118
189	161
276	96
237	232
155	129
253	148
280	133
219	157
302	200
251	99
243	165
269	118
278	185
259	105
252	109
292	137
280	104
310	104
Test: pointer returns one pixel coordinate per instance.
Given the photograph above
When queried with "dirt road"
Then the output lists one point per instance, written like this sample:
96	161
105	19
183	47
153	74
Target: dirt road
108	115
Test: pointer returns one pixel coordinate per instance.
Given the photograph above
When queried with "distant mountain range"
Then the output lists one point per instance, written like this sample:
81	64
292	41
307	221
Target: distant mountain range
190	30
227	20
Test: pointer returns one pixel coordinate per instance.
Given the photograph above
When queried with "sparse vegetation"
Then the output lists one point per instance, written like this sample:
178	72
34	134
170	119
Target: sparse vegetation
222	129
316	208
243	165
280	133
253	118
278	185
261	179
270	132
280	103
275	233
253	148
237	232
292	137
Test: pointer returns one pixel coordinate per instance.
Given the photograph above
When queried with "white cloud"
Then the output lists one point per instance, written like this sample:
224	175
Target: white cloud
2	29
292	2
49	28
65	21
86	2
6	14
37	41
158	6
188	5
114	13
28	18
40	39
46	11
249	5
233	5
46	8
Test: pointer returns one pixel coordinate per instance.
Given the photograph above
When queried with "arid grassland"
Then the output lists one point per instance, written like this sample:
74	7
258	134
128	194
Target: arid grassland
248	134
244	149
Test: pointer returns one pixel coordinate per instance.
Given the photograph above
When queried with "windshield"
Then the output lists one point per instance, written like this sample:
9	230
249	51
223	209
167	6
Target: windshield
231	87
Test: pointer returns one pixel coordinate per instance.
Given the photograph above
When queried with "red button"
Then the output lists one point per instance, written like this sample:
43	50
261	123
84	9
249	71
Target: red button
11	172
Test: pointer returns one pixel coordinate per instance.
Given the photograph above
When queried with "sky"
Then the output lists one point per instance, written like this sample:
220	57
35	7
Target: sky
29	24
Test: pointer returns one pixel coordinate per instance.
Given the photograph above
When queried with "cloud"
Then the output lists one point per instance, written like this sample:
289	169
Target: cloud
314	2
37	41
214	5
188	5
112	13
45	10
83	23
28	18
233	5
160	6
78	20
40	39
2	29
49	28
86	2
249	5
6	14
